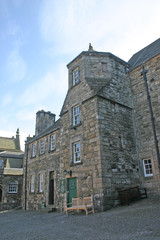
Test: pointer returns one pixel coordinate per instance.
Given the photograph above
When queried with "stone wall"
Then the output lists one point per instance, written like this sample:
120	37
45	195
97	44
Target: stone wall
45	163
143	124
11	200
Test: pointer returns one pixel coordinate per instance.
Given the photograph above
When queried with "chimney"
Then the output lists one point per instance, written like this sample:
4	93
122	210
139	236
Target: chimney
18	140
44	120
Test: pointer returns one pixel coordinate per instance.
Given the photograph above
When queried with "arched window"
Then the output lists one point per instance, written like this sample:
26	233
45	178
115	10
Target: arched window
13	187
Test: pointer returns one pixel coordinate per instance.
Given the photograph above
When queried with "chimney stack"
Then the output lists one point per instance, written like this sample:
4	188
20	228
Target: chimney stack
44	120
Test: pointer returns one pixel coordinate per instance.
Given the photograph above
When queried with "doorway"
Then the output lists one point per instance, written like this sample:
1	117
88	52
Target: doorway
51	188
72	189
0	194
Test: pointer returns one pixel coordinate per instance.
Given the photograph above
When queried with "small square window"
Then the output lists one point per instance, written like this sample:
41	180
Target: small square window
42	146
76	115
52	142
76	152
147	165
75	76
13	187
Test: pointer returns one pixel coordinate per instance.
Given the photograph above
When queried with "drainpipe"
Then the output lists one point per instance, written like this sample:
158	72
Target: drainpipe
144	73
26	151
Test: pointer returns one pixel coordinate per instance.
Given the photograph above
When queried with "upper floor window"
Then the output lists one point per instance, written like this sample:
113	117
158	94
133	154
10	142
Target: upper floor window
40	182
32	183
76	152
13	187
147	165
76	115
42	146
52	142
75	76
33	154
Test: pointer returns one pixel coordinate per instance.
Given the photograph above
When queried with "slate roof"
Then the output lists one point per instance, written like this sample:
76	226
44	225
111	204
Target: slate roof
145	54
11	154
8	144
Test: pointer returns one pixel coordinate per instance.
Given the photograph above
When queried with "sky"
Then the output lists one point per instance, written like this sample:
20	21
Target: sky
38	38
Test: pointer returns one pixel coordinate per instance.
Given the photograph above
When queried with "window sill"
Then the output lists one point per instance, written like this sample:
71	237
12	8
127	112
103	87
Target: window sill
50	151
41	154
75	164
75	126
75	85
148	178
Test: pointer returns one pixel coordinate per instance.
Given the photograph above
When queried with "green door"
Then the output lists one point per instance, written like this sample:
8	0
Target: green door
72	189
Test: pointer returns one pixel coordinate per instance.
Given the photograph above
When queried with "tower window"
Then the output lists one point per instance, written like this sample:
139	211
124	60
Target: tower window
75	76
76	115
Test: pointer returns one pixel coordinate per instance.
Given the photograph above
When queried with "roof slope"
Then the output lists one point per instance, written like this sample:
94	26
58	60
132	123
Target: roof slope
8	144
46	131
145	54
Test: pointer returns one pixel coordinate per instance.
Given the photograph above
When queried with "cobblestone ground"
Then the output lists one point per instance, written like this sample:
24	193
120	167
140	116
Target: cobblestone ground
139	221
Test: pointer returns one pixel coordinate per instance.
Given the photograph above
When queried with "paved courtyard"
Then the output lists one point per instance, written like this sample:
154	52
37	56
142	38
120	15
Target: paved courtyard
139	221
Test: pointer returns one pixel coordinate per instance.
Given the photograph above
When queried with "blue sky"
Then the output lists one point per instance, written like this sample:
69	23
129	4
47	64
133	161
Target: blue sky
38	38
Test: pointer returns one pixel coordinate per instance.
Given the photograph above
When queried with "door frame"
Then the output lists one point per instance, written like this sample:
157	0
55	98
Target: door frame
53	188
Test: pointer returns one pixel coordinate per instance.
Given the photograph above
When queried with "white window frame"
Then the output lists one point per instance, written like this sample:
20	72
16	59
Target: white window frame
75	76
13	187
76	115
33	150
76	152
147	166
42	147
32	183
40	182
52	142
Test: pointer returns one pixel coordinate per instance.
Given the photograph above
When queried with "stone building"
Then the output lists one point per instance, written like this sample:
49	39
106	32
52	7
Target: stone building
11	172
103	140
144	76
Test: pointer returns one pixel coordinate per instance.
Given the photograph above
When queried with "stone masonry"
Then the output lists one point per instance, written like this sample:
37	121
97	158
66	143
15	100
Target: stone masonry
103	140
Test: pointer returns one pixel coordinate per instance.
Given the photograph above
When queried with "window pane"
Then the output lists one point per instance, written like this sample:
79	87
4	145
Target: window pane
147	164
52	142
32	183
75	76
42	146
77	152
76	114
13	187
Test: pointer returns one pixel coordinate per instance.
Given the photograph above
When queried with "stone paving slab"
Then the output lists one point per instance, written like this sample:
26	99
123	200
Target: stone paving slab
139	221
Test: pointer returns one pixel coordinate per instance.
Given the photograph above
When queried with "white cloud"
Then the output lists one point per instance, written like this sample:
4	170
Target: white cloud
16	67
108	25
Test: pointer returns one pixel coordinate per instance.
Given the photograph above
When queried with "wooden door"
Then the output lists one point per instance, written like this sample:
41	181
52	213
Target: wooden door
72	189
